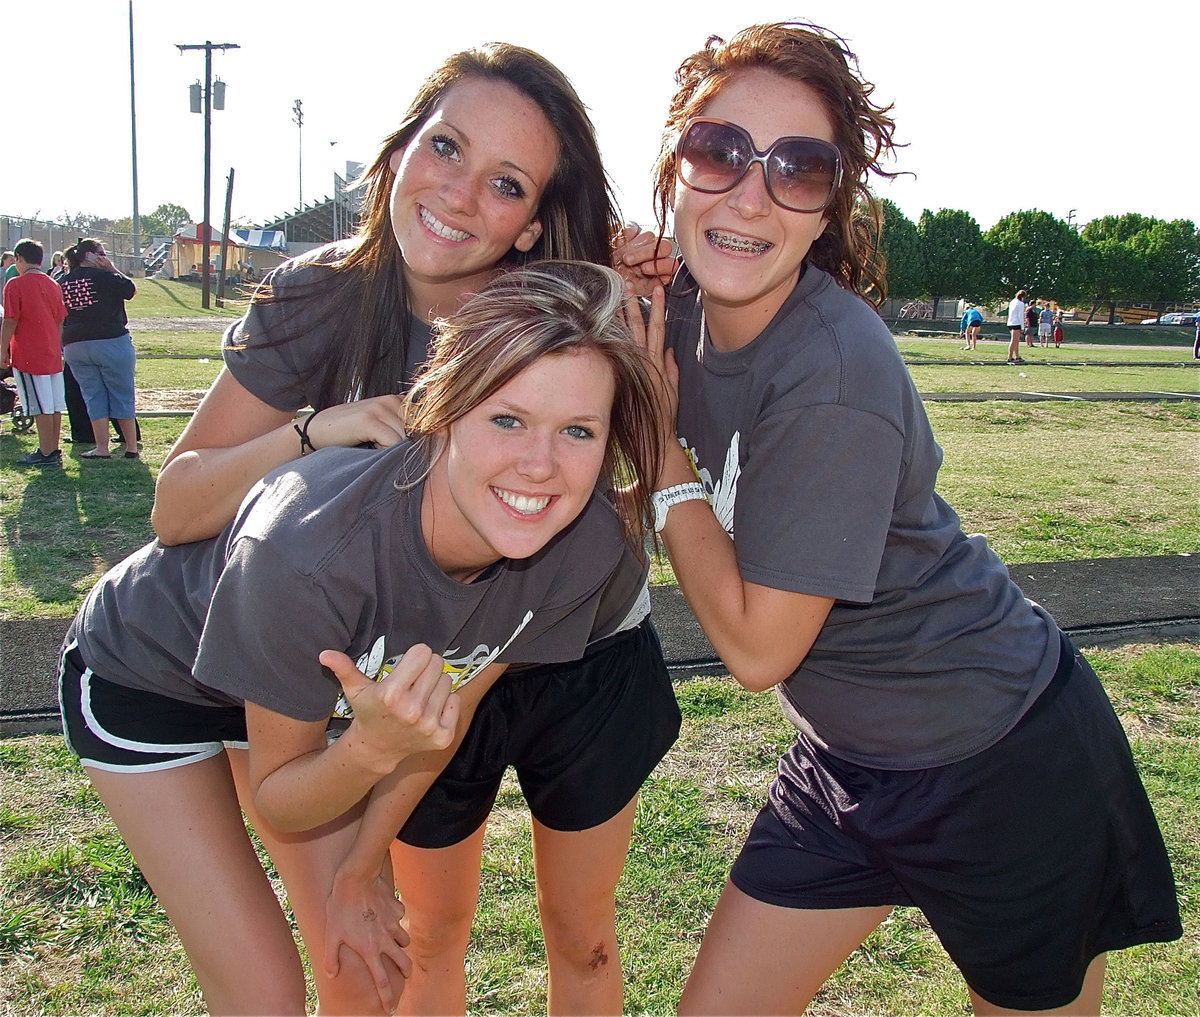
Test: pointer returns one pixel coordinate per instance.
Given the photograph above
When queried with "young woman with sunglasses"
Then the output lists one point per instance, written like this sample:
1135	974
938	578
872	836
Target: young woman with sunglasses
495	165
192	677
954	752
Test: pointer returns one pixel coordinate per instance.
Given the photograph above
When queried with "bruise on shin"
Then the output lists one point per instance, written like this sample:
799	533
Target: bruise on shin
599	957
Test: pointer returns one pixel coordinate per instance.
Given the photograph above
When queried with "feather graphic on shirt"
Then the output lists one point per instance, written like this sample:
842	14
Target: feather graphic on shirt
722	492
462	667
370	663
465	667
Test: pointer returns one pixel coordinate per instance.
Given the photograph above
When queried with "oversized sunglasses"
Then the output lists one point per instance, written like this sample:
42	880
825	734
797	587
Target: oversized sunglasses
802	174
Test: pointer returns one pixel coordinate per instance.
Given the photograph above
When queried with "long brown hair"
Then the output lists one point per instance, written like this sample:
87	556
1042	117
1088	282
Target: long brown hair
549	308
365	288
848	249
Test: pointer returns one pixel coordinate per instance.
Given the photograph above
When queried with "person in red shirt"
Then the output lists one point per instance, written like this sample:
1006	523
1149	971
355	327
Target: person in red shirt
31	343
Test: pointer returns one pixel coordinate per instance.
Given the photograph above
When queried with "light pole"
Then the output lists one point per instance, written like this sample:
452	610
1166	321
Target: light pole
206	226
137	223
298	120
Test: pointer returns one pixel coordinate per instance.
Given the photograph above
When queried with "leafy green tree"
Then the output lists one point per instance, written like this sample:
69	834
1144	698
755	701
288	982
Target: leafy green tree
171	218
1171	251
901	246
953	255
1116	274
1041	254
1115	227
164	221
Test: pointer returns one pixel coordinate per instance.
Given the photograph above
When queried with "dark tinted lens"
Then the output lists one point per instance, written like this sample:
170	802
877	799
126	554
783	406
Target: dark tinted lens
713	157
802	173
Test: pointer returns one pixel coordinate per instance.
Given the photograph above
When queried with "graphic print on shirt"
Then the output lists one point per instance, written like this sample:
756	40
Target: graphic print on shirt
722	493
462	667
78	293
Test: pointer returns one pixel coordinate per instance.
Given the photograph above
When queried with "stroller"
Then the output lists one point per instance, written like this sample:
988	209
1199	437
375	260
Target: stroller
22	423
10	404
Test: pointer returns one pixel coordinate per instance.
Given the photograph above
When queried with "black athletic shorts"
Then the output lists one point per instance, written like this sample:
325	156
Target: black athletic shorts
1029	859
583	737
111	727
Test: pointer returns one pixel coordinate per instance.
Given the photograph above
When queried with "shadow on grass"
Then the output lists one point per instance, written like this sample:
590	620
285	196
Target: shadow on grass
73	521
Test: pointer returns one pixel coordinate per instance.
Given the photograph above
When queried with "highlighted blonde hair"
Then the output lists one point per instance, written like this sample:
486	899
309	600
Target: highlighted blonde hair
550	308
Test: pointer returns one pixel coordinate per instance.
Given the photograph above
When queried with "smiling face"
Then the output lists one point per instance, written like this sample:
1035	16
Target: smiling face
521	465
744	249
467	189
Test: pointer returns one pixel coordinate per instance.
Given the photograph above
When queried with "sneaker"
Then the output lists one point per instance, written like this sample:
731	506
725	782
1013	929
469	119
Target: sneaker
35	458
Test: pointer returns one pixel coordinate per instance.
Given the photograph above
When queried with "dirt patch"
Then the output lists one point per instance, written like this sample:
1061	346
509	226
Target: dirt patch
217	325
162	400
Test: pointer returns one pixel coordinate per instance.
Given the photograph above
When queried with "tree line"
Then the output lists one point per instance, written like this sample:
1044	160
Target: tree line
1113	261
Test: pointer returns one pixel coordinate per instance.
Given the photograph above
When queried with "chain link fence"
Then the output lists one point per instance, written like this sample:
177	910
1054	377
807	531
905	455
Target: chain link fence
58	237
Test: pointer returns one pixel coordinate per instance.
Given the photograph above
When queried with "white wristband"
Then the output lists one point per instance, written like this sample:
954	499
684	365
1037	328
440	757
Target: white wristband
663	500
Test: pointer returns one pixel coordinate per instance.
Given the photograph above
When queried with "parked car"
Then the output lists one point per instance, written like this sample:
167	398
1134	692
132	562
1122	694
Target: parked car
1173	318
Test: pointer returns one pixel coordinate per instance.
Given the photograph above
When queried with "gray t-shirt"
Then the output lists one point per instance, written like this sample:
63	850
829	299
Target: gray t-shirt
814	445
327	553
282	349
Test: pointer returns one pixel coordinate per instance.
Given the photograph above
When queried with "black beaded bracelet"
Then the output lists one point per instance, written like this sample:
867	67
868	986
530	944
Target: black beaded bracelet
306	444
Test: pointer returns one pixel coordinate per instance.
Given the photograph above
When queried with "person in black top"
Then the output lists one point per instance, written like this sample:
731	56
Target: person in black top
97	345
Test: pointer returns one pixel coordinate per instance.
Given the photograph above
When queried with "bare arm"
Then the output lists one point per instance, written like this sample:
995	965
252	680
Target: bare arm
762	634
234	439
7	331
300	782
363	886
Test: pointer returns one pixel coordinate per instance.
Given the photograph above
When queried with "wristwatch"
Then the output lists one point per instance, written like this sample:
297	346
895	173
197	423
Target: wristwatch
663	500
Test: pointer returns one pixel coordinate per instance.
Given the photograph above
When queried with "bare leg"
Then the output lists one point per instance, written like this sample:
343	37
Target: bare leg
185	830
1087	1002
757	958
100	434
128	429
307	863
440	889
49	431
577	876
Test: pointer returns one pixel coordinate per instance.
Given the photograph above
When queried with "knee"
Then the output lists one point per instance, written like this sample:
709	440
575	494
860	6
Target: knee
353	990
582	931
439	931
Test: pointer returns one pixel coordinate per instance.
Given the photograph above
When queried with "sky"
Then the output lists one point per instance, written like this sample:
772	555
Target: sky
1001	106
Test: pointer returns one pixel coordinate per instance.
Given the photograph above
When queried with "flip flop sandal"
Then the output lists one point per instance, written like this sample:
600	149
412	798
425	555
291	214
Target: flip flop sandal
132	455
93	454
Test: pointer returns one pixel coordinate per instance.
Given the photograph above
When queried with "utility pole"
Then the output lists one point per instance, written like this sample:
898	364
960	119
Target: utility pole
137	268
298	120
206	226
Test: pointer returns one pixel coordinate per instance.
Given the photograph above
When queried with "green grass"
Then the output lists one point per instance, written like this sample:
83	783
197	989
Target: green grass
80	934
949	350
170	298
1044	482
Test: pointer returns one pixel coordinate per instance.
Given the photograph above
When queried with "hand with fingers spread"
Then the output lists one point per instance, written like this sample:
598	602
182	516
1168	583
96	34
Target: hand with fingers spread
377	421
643	259
410	710
363	915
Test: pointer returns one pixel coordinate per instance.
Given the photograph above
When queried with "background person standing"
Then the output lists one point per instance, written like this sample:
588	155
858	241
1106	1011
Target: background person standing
97	344
1016	322
1045	325
31	343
